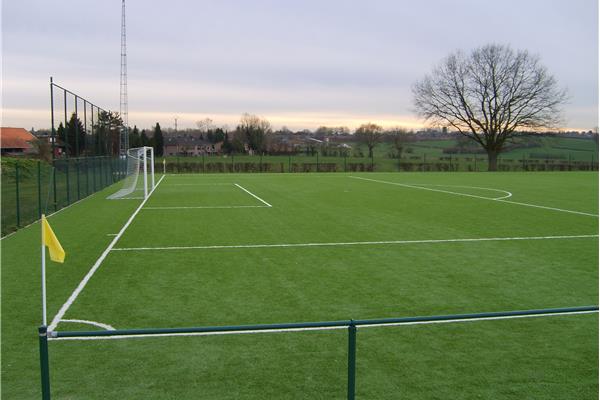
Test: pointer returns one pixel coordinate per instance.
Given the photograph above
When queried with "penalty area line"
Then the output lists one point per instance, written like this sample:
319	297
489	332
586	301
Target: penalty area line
330	244
253	195
61	313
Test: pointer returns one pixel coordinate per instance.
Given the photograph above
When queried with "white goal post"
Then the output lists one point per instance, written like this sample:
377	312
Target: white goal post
140	160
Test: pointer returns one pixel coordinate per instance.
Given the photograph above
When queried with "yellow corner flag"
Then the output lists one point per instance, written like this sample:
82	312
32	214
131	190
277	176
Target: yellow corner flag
49	240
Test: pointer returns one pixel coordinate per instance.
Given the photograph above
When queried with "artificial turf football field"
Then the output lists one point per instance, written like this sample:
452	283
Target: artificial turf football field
277	248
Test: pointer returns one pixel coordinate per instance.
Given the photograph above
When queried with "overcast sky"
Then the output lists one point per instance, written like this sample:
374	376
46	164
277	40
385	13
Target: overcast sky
301	64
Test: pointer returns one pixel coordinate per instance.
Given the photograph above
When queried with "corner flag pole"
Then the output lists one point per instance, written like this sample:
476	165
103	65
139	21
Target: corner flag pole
44	321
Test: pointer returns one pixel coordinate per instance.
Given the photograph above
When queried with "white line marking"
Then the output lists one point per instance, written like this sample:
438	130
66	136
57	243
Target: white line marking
315	329
94	323
253	195
506	196
197	184
69	302
254	246
199	207
474	196
111	234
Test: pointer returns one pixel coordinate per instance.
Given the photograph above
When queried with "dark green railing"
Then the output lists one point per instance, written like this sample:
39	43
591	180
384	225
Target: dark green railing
351	325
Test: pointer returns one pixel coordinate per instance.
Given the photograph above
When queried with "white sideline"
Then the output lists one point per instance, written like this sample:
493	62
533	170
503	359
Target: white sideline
199	207
316	329
255	246
474	196
253	195
97	264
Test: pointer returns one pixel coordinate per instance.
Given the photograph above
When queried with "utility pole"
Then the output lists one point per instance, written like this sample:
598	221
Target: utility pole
175	124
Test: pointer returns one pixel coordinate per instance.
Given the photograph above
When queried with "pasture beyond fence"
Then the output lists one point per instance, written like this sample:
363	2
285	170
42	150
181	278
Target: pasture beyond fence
31	188
317	163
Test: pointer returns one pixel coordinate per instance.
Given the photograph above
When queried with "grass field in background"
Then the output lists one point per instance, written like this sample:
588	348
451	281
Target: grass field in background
163	272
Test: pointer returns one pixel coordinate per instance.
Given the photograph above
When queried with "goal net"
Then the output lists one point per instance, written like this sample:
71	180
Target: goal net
139	180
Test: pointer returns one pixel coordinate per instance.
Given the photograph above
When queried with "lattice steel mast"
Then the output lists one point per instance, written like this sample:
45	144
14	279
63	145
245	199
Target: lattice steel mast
124	138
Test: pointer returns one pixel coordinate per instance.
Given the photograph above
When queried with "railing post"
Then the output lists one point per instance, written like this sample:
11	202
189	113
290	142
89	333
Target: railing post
345	158
317	161
351	360
289	163
17	193
44	362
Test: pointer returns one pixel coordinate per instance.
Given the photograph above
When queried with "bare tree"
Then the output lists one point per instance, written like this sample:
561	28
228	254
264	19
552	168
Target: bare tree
490	94
399	137
255	130
205	124
369	134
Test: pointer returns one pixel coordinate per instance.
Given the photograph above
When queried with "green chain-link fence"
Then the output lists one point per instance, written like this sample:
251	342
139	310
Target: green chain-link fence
33	187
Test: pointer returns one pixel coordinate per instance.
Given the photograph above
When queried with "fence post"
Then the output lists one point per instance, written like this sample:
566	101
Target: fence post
372	164
39	184
475	159
94	174
68	186
289	163
17	192
44	362
424	158
345	157
317	161
260	161
87	176
54	184
569	161
78	180
351	360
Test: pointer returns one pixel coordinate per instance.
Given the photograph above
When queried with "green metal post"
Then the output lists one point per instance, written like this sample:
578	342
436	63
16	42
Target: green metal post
94	173
290	163
372	164
68	186
54	184
17	192
475	159
203	164
569	161
44	362
317	161
423	169
260	163
101	173
345	157
78	183
351	360
39	182
87	176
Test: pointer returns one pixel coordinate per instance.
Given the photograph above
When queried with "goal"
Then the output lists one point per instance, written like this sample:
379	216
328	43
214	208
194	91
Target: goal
140	161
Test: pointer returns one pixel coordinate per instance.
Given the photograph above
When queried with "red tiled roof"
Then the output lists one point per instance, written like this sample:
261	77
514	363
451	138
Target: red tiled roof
15	138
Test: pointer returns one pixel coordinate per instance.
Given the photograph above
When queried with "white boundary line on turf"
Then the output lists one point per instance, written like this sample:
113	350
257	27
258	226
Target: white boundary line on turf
199	207
316	329
506	196
256	246
253	195
86	322
97	264
474	196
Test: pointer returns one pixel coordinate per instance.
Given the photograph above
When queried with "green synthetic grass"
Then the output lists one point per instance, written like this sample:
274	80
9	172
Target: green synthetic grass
550	357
